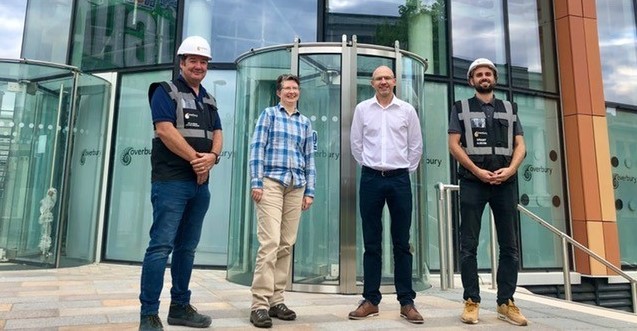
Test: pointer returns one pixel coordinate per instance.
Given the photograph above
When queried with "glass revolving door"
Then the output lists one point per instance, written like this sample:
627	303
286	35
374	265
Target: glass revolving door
334	78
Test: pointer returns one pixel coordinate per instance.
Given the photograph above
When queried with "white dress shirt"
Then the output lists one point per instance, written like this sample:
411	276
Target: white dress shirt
386	138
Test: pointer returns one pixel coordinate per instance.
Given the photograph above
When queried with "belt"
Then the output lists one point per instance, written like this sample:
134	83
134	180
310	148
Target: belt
385	173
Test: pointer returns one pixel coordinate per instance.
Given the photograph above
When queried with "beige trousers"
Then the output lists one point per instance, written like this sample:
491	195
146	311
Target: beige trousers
278	215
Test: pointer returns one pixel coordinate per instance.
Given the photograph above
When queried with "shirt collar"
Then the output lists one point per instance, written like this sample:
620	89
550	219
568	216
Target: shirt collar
280	107
393	101
202	90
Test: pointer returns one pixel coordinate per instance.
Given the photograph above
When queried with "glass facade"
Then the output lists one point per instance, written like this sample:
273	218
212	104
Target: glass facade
46	30
113	34
139	38
234	27
623	151
617	28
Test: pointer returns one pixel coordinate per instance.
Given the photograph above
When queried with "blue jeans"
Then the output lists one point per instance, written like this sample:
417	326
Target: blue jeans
179	208
503	200
375	191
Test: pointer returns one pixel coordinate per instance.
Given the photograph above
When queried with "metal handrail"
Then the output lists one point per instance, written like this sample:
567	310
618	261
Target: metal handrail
566	268
445	237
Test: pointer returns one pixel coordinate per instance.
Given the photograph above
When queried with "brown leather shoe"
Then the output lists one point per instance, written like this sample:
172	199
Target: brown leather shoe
412	315
364	310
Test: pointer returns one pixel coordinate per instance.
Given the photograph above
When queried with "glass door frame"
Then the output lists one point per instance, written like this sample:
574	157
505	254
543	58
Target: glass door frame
349	51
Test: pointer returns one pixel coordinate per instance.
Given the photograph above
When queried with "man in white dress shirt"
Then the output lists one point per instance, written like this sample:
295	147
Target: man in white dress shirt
386	141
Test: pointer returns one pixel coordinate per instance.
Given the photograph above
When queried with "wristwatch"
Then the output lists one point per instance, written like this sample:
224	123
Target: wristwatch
217	158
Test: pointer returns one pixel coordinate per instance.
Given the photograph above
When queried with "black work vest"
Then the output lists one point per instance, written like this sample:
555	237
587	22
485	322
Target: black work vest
195	121
489	144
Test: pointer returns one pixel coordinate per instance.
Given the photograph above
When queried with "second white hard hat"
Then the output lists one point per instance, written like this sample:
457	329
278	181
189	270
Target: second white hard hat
481	62
195	45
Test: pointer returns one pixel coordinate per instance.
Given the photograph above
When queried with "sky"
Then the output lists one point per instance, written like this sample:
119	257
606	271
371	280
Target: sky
11	27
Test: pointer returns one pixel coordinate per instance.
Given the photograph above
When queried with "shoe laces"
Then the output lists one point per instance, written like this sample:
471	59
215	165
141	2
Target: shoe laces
261	313
362	302
513	308
190	309
282	307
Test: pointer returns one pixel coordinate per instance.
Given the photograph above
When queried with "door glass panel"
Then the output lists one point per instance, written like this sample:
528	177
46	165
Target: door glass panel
33	133
87	163
316	252
256	90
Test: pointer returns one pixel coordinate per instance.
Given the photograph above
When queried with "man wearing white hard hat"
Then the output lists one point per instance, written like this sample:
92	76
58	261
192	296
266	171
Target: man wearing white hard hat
486	138
186	148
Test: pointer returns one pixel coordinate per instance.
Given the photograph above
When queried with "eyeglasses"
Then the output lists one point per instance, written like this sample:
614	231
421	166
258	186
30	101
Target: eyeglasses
380	78
290	88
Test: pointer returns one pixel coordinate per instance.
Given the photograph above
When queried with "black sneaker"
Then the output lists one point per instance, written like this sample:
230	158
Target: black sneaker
282	312
260	318
150	323
187	315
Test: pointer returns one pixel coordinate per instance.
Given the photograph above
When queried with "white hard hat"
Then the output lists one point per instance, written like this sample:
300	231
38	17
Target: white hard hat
482	62
195	45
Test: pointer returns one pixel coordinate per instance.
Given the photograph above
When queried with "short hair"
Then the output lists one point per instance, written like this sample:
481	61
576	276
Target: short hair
286	77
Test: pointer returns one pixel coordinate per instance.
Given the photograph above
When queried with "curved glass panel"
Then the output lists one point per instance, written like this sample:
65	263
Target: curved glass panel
316	252
478	31
261	23
622	126
40	116
618	49
87	162
256	90
531	37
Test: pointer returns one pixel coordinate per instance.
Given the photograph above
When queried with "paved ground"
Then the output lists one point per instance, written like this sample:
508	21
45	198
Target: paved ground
104	297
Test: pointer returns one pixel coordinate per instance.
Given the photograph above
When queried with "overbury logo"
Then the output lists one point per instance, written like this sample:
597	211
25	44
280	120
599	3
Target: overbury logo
129	152
86	153
529	169
617	178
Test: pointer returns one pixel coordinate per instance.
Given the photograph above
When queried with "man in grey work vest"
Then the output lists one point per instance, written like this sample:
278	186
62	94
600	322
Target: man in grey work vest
485	137
186	147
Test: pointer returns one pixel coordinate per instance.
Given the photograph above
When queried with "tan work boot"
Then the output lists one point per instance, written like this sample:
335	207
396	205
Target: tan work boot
365	309
511	313
470	312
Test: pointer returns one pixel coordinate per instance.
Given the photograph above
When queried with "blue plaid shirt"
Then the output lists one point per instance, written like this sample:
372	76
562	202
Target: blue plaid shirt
281	149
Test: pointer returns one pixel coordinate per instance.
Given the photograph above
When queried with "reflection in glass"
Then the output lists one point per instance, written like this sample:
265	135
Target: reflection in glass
622	126
234	27
618	49
531	39
478	31
418	25
120	34
46	30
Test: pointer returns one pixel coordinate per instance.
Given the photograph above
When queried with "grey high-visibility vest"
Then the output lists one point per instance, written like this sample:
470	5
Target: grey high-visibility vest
188	122
481	138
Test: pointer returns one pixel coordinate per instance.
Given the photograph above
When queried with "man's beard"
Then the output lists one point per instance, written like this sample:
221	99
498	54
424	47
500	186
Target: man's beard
483	90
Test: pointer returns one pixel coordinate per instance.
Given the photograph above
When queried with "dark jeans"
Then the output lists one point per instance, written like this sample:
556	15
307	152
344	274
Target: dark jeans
375	191
503	200
179	208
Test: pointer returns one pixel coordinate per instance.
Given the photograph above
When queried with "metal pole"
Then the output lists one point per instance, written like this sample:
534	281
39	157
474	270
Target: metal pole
633	290
441	237
449	242
566	269
494	261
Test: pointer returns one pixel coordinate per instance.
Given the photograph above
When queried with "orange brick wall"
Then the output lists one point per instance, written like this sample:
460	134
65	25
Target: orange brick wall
586	134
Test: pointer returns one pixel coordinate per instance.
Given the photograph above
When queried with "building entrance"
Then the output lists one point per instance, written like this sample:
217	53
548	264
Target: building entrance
328	255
